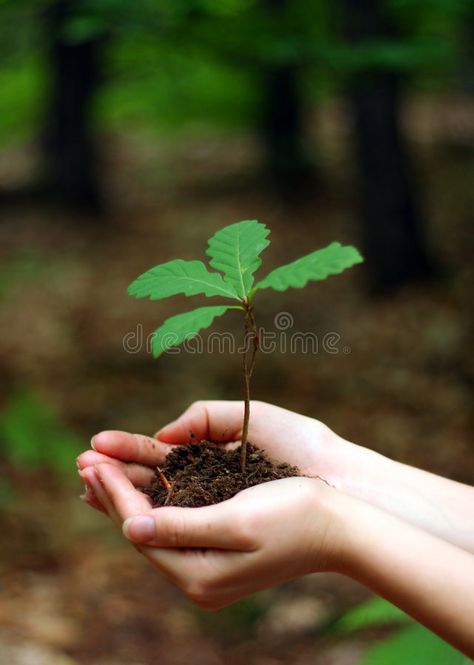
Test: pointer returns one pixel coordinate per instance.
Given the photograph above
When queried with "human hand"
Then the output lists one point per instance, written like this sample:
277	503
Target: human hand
284	435
437	505
218	554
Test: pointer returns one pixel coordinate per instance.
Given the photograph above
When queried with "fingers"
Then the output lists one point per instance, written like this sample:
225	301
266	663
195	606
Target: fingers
218	526
131	447
176	528
207	577
90	477
216	421
92	501
121	493
139	475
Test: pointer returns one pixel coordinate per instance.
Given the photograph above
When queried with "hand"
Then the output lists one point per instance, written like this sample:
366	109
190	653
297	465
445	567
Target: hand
284	435
439	506
286	528
218	554
221	553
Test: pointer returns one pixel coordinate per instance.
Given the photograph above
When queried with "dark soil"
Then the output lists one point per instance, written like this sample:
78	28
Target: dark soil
203	474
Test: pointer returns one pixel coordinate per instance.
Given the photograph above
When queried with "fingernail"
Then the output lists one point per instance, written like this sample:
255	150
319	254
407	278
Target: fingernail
140	528
93	442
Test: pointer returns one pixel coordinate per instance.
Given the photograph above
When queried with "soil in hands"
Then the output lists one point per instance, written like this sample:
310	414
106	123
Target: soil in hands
200	474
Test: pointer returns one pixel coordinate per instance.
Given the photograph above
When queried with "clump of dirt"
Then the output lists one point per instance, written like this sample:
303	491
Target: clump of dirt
200	474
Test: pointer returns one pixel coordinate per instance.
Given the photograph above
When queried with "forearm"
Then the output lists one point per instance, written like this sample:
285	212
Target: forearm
428	578
440	506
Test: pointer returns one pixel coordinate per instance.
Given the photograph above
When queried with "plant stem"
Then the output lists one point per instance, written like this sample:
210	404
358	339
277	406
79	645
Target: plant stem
249	324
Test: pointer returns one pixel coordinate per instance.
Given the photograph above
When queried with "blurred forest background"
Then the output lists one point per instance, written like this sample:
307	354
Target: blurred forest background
132	131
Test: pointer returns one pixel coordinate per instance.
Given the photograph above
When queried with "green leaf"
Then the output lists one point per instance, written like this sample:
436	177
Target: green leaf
235	250
318	265
181	327
178	276
415	645
374	612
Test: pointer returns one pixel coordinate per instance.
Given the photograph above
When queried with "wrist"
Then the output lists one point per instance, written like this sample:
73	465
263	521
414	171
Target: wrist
333	519
353	522
363	473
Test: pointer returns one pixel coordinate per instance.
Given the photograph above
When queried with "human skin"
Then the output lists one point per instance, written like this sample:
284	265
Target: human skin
443	507
218	554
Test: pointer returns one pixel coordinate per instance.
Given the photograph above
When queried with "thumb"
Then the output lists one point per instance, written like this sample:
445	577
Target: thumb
216	527
139	529
217	421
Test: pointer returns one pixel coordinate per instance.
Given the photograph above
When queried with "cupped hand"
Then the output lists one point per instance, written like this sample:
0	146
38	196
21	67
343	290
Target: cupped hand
284	435
218	554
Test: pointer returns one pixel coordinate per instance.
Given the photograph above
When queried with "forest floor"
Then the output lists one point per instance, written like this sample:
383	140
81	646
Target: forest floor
400	380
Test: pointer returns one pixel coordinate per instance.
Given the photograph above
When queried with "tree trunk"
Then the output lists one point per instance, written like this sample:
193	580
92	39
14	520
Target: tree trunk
287	157
68	147
392	226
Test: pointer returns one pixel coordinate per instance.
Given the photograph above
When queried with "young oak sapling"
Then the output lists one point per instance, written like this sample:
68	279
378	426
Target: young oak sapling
234	251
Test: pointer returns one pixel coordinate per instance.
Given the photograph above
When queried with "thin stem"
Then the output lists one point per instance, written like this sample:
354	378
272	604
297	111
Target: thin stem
255	341
249	323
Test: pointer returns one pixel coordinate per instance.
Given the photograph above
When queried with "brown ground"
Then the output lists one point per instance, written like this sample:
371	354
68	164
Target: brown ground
71	592
200	474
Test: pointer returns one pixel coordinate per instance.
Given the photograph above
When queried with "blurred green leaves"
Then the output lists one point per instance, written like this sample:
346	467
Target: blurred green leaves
411	645
83	28
22	84
31	435
374	612
187	63
415	645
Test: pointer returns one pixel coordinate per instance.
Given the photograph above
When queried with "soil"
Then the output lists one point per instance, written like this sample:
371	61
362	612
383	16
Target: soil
203	474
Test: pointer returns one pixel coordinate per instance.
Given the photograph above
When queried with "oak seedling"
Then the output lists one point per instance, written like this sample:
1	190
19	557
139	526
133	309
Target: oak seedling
234	253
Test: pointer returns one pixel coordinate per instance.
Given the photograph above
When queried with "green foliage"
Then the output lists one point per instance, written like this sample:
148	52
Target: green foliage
374	612
84	28
415	645
194	64
235	251
331	260
188	277
182	327
22	84
177	90
32	435
412	645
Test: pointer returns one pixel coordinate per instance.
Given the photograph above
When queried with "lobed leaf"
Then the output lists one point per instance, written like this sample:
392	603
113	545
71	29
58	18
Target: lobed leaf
318	265
178	276
181	327
235	250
